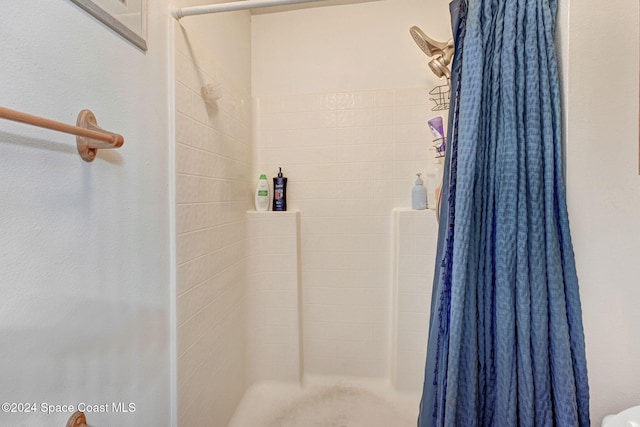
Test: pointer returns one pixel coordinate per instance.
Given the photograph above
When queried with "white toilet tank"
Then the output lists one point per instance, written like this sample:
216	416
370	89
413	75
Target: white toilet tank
627	418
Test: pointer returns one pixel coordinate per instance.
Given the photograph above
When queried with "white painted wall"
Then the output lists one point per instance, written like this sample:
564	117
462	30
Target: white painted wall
84	252
603	187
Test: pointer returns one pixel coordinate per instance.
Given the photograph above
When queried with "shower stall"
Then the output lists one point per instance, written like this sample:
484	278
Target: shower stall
331	297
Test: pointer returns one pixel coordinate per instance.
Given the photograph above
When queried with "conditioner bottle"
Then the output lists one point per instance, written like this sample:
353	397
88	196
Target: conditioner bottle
262	194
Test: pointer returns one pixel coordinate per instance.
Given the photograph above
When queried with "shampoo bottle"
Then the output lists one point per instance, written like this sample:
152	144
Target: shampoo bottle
280	192
262	194
419	195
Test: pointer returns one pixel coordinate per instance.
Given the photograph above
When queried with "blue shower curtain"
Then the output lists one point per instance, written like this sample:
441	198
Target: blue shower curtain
506	344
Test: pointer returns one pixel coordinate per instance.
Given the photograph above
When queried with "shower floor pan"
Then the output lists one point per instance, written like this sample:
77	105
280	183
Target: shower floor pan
323	402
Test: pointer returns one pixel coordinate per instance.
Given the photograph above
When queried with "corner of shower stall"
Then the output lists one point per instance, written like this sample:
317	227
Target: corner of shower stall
274	351
415	235
281	392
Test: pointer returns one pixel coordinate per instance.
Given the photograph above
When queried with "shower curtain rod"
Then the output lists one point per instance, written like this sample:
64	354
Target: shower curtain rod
231	6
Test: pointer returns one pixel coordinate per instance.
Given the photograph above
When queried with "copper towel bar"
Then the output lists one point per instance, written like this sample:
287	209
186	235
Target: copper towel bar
89	136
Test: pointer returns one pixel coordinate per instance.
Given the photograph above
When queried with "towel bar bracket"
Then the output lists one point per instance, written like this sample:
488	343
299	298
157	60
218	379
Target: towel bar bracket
87	146
77	419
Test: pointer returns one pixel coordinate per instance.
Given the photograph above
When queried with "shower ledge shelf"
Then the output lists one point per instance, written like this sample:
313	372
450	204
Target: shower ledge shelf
290	212
407	209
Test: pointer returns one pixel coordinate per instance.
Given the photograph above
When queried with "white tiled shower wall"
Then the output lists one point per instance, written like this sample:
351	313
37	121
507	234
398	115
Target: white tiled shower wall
273	284
350	157
415	244
337	145
213	181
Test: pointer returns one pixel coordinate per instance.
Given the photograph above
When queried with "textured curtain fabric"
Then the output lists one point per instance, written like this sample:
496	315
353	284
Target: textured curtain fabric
506	343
